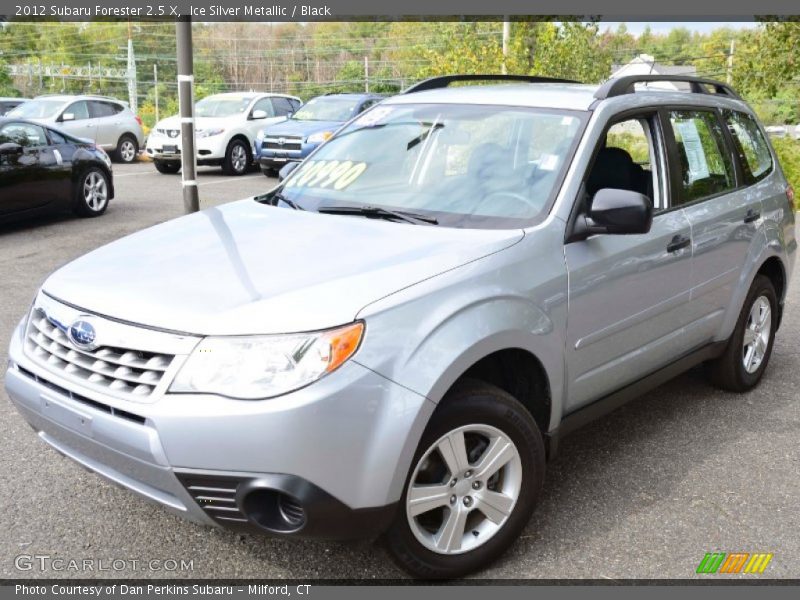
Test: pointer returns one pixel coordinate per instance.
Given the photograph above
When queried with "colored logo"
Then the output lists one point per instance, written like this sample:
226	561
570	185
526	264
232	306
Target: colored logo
734	562
82	334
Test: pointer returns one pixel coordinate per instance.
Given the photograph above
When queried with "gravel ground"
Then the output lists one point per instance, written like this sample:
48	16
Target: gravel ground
642	493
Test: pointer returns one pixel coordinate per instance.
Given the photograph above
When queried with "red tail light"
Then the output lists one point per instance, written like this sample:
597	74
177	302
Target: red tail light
139	120
790	195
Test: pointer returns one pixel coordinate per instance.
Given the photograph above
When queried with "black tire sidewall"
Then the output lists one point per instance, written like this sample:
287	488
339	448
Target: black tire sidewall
227	165
761	287
167	167
122	140
487	405
80	205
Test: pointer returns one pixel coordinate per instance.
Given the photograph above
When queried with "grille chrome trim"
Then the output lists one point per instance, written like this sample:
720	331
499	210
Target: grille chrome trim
122	370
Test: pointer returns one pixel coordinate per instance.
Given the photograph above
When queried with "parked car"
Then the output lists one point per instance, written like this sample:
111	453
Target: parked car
315	122
6	104
43	169
108	122
225	127
395	338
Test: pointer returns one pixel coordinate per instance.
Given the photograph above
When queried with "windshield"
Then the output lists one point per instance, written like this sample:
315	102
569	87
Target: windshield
37	109
222	106
327	108
464	165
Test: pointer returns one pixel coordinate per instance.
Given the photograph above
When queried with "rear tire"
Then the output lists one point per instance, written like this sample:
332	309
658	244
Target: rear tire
168	167
91	193
237	158
127	149
489	422
746	357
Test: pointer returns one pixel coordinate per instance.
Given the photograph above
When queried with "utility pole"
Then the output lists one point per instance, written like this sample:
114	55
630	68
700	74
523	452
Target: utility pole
132	91
183	32
506	37
730	62
155	83
366	74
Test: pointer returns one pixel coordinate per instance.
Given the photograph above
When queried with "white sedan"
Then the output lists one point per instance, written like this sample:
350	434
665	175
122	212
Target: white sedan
225	125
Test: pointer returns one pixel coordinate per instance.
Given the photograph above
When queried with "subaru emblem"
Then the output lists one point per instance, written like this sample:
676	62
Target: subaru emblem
82	334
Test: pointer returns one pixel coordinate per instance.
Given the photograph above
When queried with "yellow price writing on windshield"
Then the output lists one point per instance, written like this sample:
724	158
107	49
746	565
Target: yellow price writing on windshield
333	174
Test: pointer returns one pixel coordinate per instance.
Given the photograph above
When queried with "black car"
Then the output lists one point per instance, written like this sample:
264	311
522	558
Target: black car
43	169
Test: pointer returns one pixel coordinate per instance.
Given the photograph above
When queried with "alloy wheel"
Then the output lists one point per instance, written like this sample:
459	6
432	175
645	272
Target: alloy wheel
464	489
756	334
95	191
127	151
239	158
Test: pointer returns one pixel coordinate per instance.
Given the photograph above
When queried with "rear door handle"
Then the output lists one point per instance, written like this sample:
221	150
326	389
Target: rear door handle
752	215
678	243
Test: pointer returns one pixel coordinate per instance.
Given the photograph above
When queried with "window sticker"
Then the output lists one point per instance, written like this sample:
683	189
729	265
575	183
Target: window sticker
375	116
695	155
327	174
548	162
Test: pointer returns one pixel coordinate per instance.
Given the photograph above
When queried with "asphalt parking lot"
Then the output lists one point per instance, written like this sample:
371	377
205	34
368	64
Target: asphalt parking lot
643	493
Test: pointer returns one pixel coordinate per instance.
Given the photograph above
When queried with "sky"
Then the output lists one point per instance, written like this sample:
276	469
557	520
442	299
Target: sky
637	27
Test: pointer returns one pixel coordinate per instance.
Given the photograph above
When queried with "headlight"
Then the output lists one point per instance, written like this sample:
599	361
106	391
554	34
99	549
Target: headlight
260	135
257	367
318	138
204	133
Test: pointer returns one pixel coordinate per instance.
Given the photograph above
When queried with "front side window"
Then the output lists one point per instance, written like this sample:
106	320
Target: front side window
464	165
26	135
264	104
753	149
79	110
706	168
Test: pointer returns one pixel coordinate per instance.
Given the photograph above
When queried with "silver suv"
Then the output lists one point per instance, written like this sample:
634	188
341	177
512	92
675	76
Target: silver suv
108	122
394	339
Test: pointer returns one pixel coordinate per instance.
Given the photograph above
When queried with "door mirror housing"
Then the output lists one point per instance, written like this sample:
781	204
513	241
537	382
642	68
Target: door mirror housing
10	149
258	115
287	169
617	212
67	117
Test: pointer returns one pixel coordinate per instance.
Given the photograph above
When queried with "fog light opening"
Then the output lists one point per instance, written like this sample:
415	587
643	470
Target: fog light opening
274	510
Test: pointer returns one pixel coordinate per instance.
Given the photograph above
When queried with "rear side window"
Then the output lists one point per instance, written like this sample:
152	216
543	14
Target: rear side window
296	104
752	147
282	107
104	109
705	163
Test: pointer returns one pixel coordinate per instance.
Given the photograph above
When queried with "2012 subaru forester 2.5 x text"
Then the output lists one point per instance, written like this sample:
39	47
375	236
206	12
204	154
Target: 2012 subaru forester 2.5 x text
392	341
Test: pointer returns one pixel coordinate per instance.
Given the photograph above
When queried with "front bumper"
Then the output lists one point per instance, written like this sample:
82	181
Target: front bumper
340	448
209	150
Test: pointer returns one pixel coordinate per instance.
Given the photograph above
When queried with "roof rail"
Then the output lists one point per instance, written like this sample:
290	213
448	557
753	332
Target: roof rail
445	80
619	86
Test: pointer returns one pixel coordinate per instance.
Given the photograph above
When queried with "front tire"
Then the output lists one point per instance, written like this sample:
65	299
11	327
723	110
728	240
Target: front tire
127	149
746	357
167	167
91	193
237	158
473	484
269	171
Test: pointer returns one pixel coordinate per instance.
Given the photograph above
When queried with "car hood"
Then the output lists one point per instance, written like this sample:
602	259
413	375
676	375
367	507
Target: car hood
246	268
304	128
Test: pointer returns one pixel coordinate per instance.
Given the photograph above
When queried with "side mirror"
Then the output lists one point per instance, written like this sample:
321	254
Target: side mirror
287	169
67	117
620	212
10	149
258	114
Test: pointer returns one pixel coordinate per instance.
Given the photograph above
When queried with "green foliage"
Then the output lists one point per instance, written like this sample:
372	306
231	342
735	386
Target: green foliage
788	152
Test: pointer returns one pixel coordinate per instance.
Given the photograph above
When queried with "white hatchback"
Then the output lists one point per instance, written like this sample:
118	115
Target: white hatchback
226	125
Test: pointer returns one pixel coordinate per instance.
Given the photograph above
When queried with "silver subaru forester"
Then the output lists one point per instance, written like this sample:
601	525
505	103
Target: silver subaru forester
393	340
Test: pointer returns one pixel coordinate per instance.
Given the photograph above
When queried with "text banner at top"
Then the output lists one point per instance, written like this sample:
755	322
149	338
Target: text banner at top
339	10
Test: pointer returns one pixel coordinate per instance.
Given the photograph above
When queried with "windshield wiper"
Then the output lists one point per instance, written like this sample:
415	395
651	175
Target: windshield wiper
279	197
379	213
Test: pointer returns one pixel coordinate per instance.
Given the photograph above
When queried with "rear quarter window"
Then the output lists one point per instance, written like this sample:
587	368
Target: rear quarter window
752	148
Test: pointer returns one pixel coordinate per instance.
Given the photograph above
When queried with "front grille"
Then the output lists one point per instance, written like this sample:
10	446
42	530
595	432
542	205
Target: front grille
216	496
171	133
285	143
117	412
124	371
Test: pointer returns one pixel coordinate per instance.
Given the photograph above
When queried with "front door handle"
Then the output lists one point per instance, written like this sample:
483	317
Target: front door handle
752	215
678	243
